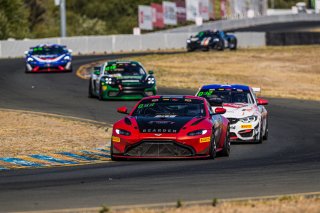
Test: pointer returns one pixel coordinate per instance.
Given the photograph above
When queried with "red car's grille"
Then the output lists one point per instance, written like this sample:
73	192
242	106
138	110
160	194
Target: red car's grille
159	148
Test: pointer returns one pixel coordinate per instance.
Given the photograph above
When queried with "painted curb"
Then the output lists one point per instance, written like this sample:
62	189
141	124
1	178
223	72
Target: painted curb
100	155
63	158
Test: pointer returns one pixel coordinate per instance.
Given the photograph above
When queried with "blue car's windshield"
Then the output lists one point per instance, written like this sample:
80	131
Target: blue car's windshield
227	96
48	50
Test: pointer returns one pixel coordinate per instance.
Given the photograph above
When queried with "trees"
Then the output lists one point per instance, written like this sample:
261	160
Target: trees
13	19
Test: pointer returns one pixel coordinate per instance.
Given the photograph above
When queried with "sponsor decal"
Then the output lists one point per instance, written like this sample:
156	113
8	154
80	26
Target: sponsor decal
159	131
161	122
246	126
146	105
115	139
104	88
165	116
205	140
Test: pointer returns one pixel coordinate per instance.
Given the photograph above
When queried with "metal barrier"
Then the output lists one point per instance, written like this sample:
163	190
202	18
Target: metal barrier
168	39
119	43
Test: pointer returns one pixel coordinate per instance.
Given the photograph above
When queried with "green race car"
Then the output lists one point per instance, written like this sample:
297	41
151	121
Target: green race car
125	80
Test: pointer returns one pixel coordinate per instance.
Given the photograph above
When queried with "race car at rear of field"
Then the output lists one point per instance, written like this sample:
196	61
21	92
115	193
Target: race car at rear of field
170	127
208	39
121	80
247	115
48	58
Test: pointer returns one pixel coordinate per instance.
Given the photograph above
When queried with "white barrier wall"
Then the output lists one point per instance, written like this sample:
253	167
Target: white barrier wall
120	43
168	39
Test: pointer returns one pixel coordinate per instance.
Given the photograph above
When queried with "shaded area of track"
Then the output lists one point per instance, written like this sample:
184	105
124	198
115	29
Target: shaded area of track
287	163
282	27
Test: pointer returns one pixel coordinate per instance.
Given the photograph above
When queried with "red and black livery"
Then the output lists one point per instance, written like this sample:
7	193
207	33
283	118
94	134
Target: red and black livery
170	127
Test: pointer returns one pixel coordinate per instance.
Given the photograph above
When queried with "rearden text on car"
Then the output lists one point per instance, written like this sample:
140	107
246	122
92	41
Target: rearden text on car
171	127
121	80
48	58
247	115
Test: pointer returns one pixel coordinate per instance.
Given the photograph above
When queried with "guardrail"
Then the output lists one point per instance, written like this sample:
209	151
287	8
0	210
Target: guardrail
244	23
120	43
168	39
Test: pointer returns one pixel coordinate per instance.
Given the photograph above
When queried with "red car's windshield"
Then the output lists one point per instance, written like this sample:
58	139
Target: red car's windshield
170	107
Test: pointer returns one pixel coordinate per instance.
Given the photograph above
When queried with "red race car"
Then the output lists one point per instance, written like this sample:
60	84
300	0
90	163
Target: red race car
170	127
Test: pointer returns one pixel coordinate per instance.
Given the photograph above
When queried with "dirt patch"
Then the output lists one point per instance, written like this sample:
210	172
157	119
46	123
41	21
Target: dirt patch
283	205
286	72
24	133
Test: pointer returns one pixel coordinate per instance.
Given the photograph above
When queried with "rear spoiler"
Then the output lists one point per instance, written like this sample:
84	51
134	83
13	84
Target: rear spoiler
256	89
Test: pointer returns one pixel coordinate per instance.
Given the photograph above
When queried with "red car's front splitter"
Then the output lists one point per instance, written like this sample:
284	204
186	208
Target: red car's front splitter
160	158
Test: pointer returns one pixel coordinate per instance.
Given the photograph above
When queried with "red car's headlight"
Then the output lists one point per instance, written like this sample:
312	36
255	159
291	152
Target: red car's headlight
198	132
123	132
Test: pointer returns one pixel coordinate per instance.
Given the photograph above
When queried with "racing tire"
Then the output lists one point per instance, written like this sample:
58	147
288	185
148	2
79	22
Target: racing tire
234	42
265	136
90	93
220	45
212	148
100	96
260	136
26	70
189	49
226	146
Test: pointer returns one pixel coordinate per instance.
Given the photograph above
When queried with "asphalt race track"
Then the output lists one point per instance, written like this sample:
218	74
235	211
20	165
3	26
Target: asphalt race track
289	162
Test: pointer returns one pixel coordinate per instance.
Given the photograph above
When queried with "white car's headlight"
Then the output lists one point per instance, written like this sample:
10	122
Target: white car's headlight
66	57
30	59
249	119
188	41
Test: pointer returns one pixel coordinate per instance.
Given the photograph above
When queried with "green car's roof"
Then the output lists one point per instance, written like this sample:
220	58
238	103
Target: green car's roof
121	62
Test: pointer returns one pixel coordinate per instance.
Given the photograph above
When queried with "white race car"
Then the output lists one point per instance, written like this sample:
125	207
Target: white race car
247	115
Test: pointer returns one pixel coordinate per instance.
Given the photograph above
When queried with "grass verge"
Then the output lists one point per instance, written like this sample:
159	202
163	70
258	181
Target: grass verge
285	72
286	204
23	133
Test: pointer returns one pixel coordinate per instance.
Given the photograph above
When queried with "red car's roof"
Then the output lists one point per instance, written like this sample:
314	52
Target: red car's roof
174	96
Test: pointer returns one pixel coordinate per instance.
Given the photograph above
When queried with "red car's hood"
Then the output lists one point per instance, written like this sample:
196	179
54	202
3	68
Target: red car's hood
161	124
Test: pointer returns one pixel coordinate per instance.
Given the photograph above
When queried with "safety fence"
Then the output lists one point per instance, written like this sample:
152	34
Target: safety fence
120	43
164	40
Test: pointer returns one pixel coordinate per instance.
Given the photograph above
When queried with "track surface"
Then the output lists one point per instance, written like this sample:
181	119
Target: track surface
289	162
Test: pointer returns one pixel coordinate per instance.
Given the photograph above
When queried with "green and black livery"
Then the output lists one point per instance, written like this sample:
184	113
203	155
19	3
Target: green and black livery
124	80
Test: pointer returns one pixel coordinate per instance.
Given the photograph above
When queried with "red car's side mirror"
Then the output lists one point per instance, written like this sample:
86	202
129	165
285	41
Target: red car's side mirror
220	110
261	101
123	110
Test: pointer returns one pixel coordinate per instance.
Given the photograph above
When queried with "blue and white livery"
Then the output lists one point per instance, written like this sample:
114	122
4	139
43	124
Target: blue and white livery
48	58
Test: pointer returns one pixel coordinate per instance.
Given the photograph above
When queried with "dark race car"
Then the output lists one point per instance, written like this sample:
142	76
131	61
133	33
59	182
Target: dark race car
206	40
48	58
122	80
171	127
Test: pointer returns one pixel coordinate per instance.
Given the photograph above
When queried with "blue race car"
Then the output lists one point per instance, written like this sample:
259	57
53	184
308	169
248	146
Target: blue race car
48	58
212	40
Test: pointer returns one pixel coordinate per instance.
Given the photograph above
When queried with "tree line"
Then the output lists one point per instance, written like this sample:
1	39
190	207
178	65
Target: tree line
41	18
